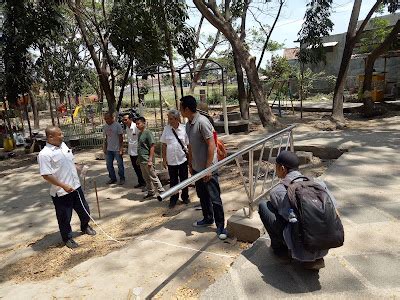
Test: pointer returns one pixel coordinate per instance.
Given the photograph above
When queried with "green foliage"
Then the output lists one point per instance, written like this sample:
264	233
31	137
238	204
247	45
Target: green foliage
309	78
371	38
392	5
317	24
278	68
26	23
134	31
257	38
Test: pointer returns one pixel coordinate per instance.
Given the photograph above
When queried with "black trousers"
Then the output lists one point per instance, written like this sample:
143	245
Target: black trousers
137	170
274	224
210	200
64	206
178	174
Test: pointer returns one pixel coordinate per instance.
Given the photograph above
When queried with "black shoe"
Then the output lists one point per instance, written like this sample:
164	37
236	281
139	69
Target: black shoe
281	252
139	185
314	265
89	231
148	196
186	201
172	204
111	181
121	182
71	244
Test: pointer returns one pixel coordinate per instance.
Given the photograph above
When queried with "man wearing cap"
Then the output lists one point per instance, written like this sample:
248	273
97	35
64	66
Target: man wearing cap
275	215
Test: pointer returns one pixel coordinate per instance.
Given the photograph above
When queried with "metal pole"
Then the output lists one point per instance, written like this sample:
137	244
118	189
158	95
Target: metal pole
223	82
70	109
55	106
251	182
131	84
159	92
29	122
219	164
181	84
291	141
225	110
97	197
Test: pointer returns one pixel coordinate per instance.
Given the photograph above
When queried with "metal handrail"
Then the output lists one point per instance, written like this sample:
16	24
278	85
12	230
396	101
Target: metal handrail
230	158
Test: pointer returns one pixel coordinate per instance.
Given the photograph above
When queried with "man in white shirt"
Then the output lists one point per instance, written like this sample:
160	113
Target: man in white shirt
174	148
57	166
132	133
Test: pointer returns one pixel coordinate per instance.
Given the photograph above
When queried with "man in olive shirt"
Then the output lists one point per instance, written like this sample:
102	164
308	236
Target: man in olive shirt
145	158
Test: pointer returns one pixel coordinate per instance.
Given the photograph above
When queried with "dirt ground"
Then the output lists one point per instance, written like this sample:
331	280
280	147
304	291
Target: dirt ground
49	259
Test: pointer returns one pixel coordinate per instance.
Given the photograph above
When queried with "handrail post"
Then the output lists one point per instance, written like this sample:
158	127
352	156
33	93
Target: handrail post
251	182
291	140
225	111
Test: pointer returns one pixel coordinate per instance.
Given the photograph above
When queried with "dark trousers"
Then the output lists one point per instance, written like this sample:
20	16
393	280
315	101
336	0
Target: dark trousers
138	172
64	206
210	200
178	174
274	224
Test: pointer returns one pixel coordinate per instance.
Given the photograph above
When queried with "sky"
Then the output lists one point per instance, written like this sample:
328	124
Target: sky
291	19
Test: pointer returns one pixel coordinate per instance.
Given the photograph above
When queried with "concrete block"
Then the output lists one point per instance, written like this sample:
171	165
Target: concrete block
244	228
100	155
304	157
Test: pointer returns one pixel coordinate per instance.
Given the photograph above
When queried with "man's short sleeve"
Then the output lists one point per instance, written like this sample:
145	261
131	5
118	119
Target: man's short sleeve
163	136
45	165
206	129
119	129
150	138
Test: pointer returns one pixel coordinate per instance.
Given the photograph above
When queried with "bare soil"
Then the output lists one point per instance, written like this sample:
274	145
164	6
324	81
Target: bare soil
51	260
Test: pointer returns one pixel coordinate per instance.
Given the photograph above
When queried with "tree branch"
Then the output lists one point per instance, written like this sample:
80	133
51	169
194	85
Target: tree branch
366	20
281	2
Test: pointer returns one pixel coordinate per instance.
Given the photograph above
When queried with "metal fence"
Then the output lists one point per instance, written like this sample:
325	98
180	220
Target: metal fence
83	135
260	158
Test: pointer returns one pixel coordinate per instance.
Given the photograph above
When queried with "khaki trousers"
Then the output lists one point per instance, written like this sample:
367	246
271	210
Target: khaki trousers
151	178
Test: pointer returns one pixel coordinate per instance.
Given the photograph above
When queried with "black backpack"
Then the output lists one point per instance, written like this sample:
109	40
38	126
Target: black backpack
318	225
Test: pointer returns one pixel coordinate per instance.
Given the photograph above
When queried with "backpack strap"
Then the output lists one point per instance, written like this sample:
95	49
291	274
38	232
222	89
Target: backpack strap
290	186
179	141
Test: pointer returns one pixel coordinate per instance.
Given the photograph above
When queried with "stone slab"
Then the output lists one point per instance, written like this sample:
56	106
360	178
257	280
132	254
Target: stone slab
244	228
380	269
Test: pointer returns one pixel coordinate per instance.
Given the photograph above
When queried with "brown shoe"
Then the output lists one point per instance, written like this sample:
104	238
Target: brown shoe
314	265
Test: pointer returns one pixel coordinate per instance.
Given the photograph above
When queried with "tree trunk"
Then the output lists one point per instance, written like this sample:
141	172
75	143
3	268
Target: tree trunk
369	68
34	111
337	110
206	55
368	109
62	97
264	111
123	84
215	17
51	109
352	36
168	42
101	72
243	102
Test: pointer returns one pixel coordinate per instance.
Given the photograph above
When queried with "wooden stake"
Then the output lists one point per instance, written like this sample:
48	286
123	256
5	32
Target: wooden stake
97	197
